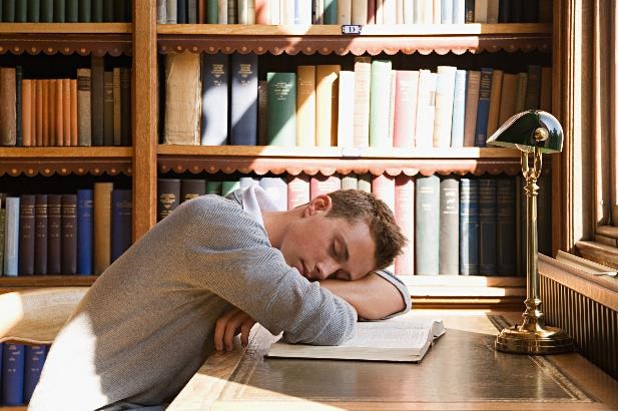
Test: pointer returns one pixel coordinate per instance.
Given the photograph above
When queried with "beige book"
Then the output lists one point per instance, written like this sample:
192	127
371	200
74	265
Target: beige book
222	11
73	110
102	225
8	111
362	87
494	101
327	98
83	107
437	12
480	11
445	95
546	79
305	106
426	109
508	97
399	11
344	12
182	99
380	11
493	7
345	132
472	103
359	12
403	339
391	109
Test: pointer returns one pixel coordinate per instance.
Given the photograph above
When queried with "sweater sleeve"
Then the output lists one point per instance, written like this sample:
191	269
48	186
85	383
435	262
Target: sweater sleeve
228	253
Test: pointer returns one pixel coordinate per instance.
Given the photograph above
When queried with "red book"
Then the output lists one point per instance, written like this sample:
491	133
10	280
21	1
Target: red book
324	184
404	215
383	187
405	108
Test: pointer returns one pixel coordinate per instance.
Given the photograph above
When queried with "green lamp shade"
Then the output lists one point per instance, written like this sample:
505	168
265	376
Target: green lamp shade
530	129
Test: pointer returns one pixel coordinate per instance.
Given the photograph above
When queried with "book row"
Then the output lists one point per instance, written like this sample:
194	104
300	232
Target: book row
358	12
455	226
65	11
373	105
20	370
93	109
55	234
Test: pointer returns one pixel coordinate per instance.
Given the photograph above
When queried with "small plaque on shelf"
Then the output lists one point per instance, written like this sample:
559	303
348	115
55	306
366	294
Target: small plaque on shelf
351	152
351	29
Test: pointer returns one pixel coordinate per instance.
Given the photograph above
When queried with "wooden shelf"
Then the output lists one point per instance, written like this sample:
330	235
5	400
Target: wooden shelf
65	160
374	39
66	38
8	284
330	160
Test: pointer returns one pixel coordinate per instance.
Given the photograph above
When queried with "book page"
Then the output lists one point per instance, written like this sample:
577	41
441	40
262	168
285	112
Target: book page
390	335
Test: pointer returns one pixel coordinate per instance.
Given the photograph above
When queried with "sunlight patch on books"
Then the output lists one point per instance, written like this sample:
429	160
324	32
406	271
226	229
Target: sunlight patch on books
404	339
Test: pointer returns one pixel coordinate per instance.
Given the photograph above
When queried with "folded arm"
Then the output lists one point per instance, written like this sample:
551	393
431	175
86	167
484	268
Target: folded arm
374	297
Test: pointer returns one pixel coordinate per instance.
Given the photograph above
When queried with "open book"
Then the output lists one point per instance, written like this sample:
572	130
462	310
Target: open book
400	339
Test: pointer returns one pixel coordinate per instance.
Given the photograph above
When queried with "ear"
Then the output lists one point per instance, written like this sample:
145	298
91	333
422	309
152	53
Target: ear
321	203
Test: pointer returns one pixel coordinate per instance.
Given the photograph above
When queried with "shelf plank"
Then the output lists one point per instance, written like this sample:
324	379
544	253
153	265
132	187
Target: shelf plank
327	39
61	28
8	284
327	161
47	161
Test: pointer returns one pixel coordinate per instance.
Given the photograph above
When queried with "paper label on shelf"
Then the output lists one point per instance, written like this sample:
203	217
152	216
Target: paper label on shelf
351	29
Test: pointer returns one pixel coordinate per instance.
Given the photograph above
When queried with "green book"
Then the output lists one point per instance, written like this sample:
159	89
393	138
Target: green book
47	11
330	11
108	11
212	12
281	109
379	104
229	186
34	11
119	10
85	11
8	12
214	187
21	11
71	11
97	11
59	8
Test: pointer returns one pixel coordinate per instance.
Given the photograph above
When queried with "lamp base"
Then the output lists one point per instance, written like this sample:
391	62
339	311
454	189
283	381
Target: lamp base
545	340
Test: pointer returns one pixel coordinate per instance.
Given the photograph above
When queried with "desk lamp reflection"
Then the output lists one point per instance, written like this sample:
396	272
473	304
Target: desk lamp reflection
533	132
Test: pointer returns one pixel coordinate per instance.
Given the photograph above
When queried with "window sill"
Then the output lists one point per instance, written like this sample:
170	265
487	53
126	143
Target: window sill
599	252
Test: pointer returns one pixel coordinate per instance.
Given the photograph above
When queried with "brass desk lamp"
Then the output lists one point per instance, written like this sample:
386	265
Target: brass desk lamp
532	132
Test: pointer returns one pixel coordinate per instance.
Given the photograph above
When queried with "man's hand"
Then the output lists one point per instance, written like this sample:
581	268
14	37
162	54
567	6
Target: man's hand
229	325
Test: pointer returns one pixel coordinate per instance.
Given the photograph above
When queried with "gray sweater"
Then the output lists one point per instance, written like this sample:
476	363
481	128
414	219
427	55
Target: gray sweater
146	325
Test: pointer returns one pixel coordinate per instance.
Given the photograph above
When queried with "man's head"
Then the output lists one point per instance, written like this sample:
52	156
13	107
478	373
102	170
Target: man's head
345	234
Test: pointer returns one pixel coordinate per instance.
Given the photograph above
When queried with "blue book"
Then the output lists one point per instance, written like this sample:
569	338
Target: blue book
447	12
459	110
33	364
215	71
121	222
11	237
13	374
488	225
26	234
468	227
427	229
85	207
182	12
482	114
54	233
506	227
244	105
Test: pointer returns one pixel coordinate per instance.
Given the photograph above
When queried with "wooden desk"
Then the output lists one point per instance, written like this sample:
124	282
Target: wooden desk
461	371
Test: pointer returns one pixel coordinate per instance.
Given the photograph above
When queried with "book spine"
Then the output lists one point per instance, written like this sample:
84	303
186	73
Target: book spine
191	188
383	188
406	91
97	87
11	237
359	12
305	106
445	93
533	88
73	112
34	359
66	111
47	118
47	11
404	215
449	226
54	234
59	11
69	234
40	233
108	108
504	11
181	12
494	101
116	108
26	234
125	91
168	196
171	11
362	89
327	84
13	374
21	11
34	11
330	11
8	115
345	116
38	110
321	184
108	10
379	103
427	225
506	227
459	11
18	106
508	97
468	227
214	112
229	186
344	12
487	226
2	236
212	12
277	190
102	226
161	12
85	220
281	109
56	114
212	187
84	107
459	110
85	11
426	109
182	99
298	191
121	222
120	11
244	105
72	11
483	107
517	12
27	112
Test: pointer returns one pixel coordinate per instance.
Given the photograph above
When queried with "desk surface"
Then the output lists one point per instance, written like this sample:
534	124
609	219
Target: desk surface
461	371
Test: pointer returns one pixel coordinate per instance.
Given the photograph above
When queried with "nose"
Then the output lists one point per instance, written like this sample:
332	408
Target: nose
326	268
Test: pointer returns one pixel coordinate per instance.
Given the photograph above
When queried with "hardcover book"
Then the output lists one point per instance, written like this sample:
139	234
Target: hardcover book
244	104
398	340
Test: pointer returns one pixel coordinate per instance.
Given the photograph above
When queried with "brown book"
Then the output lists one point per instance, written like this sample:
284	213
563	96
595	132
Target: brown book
66	111
262	113
305	106
26	234
362	87
26	112
59	113
191	188
73	112
508	97
54	97
117	108
182	99
69	234
45	95
546	79
38	141
494	101
8	114
125	91
102	226
40	233
472	103
108	109
168	196
533	87
54	233
96	100
84	119
327	107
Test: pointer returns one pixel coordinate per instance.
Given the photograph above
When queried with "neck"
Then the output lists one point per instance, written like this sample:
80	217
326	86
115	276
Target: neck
276	223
